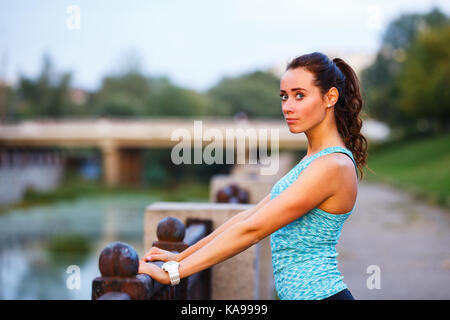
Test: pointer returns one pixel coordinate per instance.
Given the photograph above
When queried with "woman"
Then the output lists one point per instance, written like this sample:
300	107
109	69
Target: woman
306	209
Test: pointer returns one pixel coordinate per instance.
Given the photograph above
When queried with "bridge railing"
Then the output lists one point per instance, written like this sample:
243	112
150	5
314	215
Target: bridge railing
119	264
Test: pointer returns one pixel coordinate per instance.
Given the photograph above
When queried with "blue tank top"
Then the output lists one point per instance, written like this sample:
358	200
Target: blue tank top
303	252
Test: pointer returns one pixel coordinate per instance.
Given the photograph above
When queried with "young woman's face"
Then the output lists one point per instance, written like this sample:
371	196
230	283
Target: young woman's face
301	101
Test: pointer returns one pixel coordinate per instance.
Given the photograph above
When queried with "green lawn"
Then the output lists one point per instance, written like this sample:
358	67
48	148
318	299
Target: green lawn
420	166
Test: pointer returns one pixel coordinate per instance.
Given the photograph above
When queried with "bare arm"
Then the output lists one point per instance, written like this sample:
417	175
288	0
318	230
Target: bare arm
241	216
158	254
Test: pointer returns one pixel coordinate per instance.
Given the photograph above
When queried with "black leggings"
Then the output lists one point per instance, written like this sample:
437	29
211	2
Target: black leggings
341	295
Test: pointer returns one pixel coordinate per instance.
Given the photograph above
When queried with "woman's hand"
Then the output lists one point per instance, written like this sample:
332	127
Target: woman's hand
157	254
155	272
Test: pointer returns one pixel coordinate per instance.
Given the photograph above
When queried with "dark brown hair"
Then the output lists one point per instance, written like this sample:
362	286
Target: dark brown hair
337	73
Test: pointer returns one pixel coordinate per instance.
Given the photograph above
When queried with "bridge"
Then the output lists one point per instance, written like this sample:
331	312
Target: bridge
120	140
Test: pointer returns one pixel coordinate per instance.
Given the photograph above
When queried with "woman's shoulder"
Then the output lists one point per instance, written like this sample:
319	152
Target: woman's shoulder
339	175
338	165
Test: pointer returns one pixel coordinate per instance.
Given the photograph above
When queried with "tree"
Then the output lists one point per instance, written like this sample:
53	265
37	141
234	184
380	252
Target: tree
167	99
423	81
46	96
380	80
255	93
122	95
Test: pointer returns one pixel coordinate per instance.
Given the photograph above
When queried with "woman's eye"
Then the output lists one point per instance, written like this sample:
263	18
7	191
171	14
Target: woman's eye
283	96
299	94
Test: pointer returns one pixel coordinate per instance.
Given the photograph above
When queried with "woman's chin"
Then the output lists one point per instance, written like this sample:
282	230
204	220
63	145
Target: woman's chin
294	129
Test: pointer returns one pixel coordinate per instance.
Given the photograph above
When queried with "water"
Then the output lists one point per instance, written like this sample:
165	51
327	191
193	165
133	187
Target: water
38	245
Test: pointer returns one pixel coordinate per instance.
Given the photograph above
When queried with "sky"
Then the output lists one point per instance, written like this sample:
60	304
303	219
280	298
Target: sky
194	43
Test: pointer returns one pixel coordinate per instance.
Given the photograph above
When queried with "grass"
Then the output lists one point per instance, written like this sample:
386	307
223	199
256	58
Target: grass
420	166
69	247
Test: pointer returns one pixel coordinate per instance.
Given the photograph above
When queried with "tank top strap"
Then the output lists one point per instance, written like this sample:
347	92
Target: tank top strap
332	150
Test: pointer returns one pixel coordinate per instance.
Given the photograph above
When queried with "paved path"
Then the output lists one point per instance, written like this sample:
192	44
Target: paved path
407	239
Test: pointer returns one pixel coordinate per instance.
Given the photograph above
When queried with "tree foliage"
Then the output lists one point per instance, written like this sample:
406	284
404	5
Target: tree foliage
46	96
255	94
402	60
423	81
130	94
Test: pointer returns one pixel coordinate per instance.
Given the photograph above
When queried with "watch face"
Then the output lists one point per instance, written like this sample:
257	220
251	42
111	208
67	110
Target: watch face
170	264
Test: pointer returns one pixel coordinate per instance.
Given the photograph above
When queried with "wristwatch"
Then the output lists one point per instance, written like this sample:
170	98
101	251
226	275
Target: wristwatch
172	268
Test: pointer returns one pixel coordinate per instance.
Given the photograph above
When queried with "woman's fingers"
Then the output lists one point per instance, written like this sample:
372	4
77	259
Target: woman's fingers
156	257
152	251
150	257
146	256
157	254
154	272
155	250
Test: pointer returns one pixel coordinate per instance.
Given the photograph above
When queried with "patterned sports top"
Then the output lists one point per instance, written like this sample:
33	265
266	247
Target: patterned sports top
303	252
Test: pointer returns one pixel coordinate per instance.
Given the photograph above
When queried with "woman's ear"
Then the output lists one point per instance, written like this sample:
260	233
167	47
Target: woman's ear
331	97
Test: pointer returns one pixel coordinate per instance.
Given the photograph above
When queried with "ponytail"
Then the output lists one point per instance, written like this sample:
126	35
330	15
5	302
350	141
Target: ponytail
347	114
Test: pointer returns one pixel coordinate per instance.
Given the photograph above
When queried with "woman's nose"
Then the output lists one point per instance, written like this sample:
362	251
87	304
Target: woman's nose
287	106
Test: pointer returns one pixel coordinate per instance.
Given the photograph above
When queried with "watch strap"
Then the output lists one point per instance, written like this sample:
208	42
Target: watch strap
174	276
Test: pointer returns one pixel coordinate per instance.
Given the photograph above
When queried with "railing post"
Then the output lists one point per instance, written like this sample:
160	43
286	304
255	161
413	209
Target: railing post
202	288
119	264
232	194
170	233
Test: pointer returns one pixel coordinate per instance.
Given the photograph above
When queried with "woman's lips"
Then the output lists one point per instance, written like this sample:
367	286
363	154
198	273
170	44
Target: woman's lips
291	120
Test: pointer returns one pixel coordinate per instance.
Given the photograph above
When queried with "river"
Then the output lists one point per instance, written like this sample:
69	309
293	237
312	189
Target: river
39	244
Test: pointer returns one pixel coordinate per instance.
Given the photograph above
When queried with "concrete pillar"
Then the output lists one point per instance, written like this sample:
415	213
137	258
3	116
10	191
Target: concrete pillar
111	163
130	167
